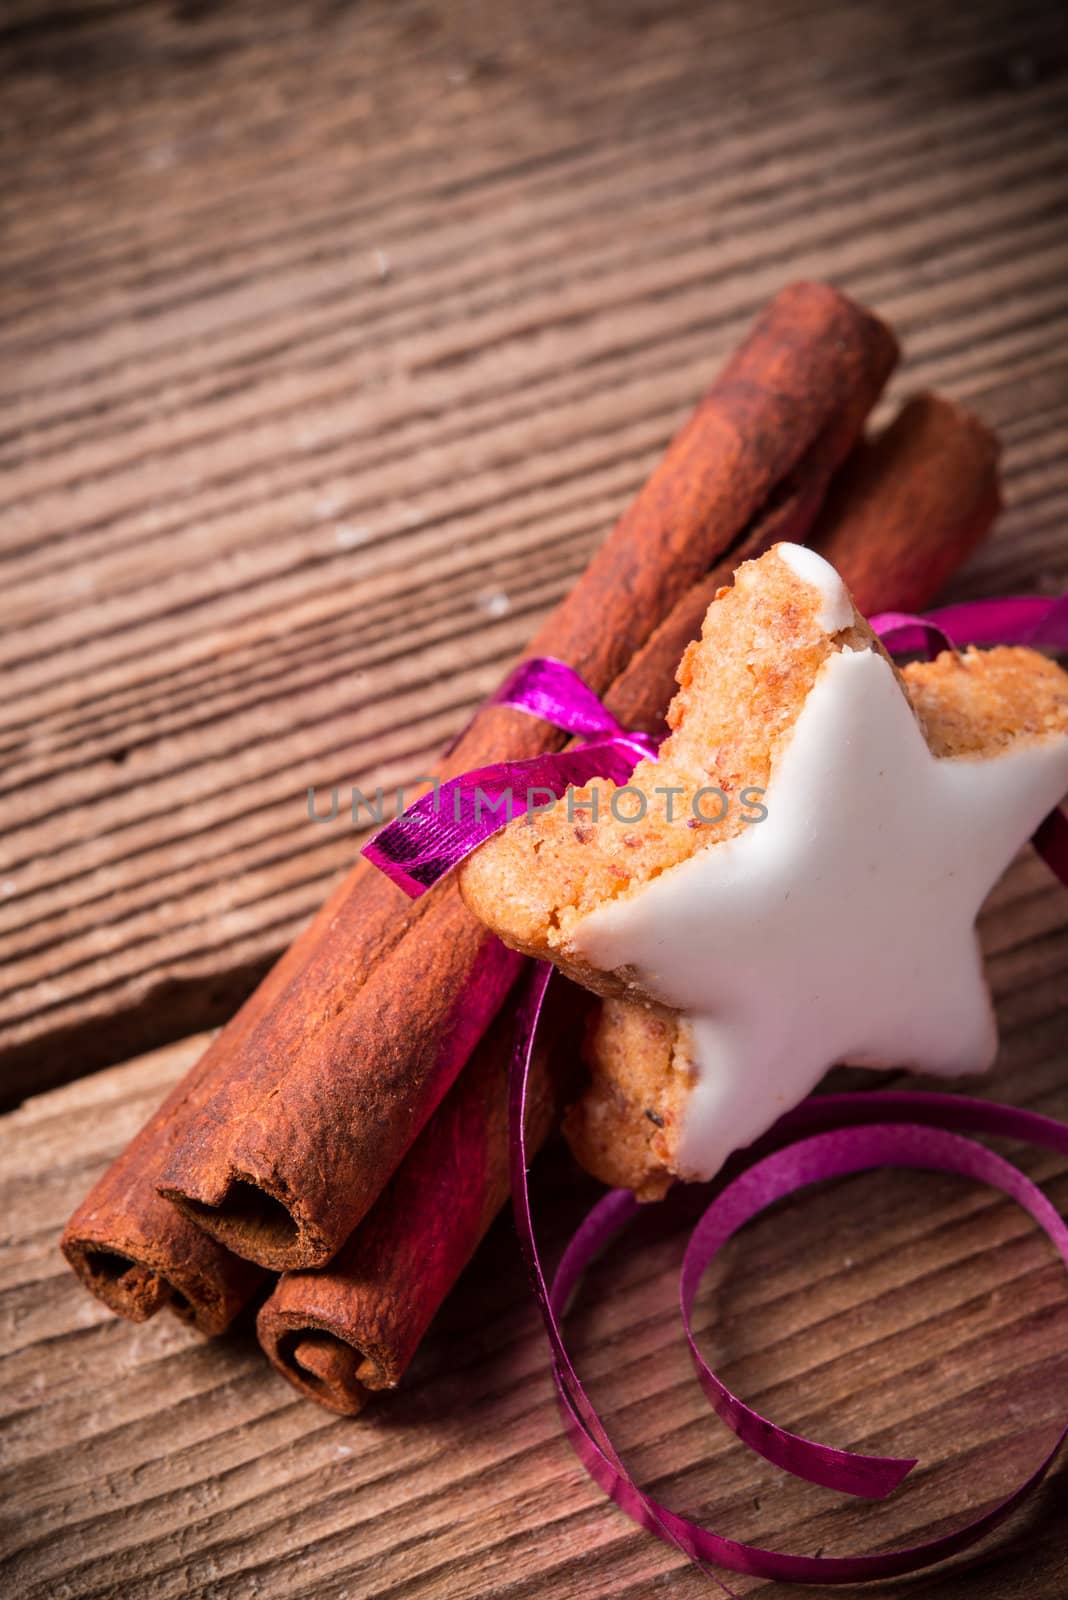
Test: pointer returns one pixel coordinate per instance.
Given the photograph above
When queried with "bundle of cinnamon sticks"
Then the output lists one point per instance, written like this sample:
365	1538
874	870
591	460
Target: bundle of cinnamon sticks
348	1128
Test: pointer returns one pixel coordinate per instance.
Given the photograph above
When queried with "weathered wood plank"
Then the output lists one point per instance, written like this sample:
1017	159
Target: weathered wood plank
333	338
909	1314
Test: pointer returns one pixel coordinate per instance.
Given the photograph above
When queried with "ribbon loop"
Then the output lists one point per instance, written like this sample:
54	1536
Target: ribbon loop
440	829
1009	619
825	1137
544	687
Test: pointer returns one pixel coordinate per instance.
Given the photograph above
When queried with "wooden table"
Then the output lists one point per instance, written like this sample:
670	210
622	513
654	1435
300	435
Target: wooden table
333	339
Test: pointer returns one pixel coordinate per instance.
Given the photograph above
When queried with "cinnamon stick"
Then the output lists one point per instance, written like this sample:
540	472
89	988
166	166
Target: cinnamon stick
909	507
931	476
341	1333
315	1105
131	1248
139	1253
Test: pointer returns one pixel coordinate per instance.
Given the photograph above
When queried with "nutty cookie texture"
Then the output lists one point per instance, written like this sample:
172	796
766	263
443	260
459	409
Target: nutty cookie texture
741	689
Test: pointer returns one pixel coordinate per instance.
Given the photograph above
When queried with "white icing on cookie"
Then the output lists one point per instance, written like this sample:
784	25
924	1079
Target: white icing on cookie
842	927
805	564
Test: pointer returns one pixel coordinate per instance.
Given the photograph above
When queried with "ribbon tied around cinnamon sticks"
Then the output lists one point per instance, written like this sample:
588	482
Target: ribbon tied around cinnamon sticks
434	834
437	831
826	1136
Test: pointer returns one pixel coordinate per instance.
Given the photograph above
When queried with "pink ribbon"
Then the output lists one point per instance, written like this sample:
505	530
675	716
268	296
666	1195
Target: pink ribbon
825	1137
1012	619
435	833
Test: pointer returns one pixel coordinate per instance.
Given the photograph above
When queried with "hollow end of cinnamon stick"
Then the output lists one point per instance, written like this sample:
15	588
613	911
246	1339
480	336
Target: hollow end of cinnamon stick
142	1260
320	1362
129	1288
137	1288
247	1218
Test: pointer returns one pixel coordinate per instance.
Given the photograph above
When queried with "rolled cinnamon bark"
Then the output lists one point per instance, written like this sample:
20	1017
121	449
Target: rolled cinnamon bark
130	1247
744	447
911	506
341	1333
136	1251
315	1105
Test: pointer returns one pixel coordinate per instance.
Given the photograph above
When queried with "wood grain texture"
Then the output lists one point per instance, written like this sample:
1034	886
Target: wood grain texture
904	1313
332	338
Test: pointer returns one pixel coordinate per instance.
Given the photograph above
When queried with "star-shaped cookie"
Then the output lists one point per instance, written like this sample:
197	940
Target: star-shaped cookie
828	913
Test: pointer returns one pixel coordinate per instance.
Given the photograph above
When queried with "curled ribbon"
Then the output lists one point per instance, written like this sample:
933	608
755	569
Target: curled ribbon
826	1136
842	1134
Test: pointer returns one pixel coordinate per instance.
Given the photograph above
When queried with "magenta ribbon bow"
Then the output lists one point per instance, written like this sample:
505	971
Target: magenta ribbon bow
435	833
826	1136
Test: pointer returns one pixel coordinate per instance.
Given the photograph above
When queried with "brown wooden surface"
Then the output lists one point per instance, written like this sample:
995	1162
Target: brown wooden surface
331	339
904	1313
